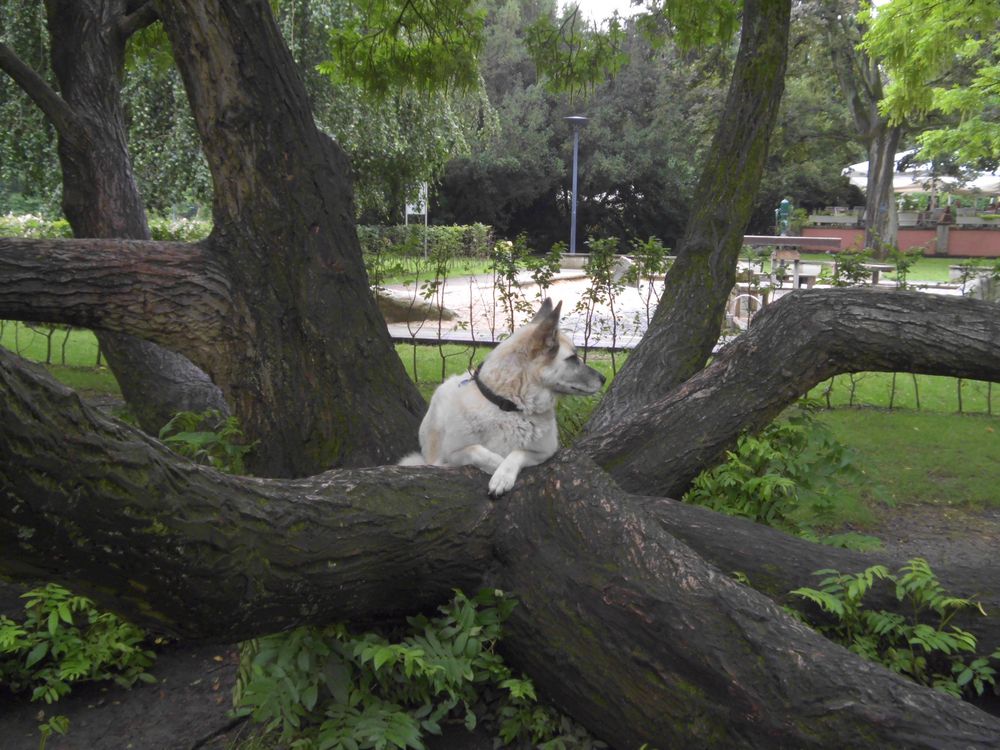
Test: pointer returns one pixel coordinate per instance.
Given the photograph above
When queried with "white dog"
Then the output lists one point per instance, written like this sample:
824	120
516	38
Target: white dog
502	417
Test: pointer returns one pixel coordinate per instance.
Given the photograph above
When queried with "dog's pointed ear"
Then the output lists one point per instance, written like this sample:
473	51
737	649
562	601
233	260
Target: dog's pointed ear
543	311
548	324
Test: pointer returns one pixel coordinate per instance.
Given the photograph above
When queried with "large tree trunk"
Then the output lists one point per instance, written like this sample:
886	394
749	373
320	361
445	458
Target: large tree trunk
627	629
689	317
301	352
881	216
309	369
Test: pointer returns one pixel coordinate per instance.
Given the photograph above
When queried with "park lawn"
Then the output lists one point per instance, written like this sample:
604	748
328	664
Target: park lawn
925	269
909	457
935	393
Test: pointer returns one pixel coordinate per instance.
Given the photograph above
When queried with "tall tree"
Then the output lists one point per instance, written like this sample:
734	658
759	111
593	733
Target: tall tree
942	58
862	82
627	629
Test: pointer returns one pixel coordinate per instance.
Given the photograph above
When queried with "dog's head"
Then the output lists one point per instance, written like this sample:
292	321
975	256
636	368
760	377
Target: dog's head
560	369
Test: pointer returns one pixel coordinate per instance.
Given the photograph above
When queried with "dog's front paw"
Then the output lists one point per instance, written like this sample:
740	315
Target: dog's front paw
503	479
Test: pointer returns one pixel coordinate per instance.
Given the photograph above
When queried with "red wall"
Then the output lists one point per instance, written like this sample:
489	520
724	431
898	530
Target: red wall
982	243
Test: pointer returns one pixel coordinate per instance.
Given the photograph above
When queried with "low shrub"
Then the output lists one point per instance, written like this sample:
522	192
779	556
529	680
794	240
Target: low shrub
925	646
318	688
65	639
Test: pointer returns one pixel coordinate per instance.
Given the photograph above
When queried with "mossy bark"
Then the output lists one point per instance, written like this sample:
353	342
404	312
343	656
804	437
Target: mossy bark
793	345
312	373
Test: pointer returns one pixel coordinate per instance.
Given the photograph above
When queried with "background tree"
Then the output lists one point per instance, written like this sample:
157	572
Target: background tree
942	58
862	84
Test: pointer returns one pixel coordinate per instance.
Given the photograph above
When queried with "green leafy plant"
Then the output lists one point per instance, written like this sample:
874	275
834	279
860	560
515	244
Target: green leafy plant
926	646
651	262
604	286
904	260
849	269
58	724
318	688
65	639
771	477
208	438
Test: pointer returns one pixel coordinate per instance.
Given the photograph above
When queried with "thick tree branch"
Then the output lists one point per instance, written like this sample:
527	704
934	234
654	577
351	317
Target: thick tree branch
167	292
628	627
689	317
775	562
186	550
44	96
623	626
795	343
138	18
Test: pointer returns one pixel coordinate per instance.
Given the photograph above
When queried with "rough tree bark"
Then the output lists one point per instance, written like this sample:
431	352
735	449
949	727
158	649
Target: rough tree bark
628	629
100	197
302	356
790	347
689	316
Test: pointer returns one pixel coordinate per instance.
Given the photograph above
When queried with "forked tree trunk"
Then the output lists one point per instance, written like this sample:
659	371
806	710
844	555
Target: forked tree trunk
301	352
621	625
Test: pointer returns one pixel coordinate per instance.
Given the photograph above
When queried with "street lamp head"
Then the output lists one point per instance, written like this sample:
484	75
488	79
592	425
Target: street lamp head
576	120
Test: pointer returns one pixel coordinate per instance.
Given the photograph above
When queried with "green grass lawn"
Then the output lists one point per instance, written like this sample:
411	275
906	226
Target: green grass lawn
912	457
925	269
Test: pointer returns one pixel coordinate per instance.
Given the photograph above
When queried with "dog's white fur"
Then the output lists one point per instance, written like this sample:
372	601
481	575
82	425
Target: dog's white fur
531	369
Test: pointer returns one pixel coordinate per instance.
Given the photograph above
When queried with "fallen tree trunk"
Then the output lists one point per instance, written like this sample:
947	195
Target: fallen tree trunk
775	563
624	627
794	344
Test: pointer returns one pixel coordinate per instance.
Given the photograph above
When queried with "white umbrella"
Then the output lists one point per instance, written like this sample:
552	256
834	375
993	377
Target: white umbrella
918	177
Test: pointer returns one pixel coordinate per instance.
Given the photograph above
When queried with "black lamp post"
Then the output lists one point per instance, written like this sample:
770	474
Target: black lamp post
577	121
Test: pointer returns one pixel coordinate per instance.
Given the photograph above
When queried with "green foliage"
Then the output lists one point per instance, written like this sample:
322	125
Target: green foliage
941	57
65	639
58	724
33	226
395	44
605	284
318	688
769	478
904	260
208	438
849	269
574	54
698	24
925	646
651	263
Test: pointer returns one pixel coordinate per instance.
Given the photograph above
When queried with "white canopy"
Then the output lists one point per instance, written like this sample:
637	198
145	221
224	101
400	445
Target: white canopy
918	177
